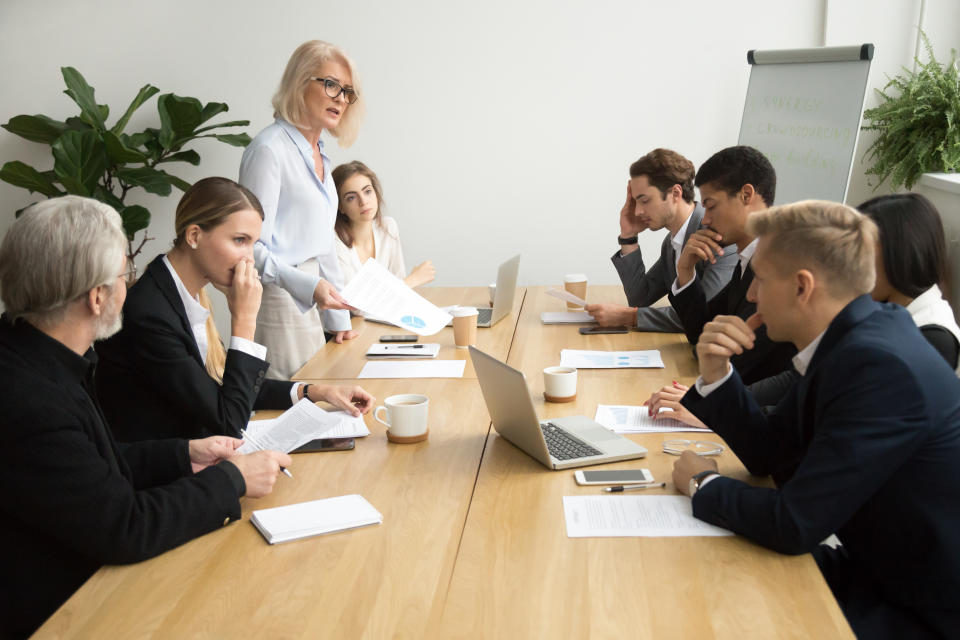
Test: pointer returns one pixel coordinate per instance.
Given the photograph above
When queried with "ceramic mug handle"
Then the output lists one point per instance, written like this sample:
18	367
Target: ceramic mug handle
376	416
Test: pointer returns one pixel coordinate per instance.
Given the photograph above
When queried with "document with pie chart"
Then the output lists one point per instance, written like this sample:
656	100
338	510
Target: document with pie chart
380	294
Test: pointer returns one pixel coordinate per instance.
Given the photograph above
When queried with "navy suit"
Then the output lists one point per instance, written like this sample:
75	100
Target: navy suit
151	379
866	445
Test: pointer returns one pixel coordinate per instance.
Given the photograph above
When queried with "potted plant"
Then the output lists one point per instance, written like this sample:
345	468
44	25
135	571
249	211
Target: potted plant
919	127
106	163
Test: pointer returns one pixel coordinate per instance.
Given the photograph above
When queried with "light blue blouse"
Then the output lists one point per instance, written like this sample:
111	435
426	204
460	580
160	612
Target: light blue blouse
299	213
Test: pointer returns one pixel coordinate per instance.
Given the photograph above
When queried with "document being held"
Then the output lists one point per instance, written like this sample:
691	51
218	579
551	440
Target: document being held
378	293
297	426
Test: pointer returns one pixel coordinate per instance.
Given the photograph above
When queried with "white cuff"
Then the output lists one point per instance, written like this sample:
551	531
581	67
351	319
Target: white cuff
705	389
708	480
676	290
248	347
295	392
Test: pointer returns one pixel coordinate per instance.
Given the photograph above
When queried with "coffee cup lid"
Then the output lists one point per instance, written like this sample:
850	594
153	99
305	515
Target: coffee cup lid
461	312
575	277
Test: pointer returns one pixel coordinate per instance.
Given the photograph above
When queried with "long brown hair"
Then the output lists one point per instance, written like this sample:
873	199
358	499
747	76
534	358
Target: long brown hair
340	175
207	204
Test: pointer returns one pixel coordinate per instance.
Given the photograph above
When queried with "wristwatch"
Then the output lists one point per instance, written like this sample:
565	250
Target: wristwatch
698	479
623	240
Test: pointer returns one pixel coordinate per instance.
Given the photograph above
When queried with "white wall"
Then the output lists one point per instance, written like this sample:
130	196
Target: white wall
496	127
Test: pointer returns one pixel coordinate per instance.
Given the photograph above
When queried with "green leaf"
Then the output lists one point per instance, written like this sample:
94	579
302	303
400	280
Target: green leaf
82	94
79	160
235	139
103	110
120	153
179	183
211	109
111	199
146	92
77	124
136	140
152	180
232	123
178	118
135	218
189	155
23	175
38	128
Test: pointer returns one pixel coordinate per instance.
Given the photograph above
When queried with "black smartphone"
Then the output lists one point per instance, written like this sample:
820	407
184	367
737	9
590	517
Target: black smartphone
592	331
326	444
405	338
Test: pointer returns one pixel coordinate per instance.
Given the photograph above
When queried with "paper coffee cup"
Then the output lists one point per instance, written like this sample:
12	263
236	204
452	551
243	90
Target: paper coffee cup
406	417
464	326
575	283
560	384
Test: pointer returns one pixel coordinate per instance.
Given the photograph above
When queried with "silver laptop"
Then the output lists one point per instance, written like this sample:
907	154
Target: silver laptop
560	443
503	298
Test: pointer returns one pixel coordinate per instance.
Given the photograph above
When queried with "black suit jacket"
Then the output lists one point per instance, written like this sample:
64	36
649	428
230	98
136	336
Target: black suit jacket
866	445
767	358
151	380
74	499
644	287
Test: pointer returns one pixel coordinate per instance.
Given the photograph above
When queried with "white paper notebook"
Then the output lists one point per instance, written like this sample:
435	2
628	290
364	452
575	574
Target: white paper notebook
306	519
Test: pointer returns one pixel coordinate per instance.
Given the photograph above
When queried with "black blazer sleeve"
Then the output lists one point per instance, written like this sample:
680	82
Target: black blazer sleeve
857	445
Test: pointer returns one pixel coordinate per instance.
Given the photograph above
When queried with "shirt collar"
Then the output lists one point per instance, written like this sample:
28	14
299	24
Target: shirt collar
76	367
746	254
298	139
196	312
677	239
801	361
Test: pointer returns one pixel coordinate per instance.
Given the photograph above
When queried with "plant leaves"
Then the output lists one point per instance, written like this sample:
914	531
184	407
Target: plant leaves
23	175
146	92
38	128
211	109
82	94
111	199
80	159
178	118
103	110
120	153
179	183
235	139
152	180
135	218
189	155
232	123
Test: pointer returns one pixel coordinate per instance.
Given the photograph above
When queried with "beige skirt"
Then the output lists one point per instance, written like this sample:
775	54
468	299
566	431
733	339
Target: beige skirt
291	337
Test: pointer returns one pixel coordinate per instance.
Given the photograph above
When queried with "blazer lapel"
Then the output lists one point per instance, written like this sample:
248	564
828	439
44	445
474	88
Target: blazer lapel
164	281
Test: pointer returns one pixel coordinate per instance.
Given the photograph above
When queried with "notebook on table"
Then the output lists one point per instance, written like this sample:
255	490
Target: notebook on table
306	519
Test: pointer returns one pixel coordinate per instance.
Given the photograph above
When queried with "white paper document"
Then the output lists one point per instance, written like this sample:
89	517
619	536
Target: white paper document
298	425
634	517
611	359
627	419
348	427
413	369
377	292
305	519
566	296
566	317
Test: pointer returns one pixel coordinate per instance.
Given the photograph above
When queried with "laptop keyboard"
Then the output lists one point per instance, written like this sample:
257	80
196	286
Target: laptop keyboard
484	316
564	446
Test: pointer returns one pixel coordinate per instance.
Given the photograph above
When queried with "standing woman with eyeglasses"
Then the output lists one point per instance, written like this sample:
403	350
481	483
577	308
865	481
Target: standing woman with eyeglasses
288	170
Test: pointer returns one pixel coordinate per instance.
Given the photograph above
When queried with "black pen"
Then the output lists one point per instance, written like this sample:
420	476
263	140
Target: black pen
634	487
409	346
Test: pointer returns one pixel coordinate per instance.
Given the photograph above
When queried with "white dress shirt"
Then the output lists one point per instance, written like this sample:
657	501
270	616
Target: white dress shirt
299	213
744	259
386	250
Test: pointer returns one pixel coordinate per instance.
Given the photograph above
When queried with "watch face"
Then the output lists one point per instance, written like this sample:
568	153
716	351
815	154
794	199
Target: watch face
692	489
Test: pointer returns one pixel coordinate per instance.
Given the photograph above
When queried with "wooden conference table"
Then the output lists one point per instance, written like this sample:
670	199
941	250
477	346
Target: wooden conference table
473	542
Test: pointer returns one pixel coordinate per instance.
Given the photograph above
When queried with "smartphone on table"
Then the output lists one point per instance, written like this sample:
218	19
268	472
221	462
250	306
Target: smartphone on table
594	331
614	476
398	338
326	444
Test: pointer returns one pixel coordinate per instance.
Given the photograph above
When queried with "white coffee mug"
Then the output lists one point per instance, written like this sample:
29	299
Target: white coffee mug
560	384
406	417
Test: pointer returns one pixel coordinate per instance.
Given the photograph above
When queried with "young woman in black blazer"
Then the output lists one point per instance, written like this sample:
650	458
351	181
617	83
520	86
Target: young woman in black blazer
167	373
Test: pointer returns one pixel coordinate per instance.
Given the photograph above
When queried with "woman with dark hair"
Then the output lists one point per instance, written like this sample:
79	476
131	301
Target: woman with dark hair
364	232
911	264
166	374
